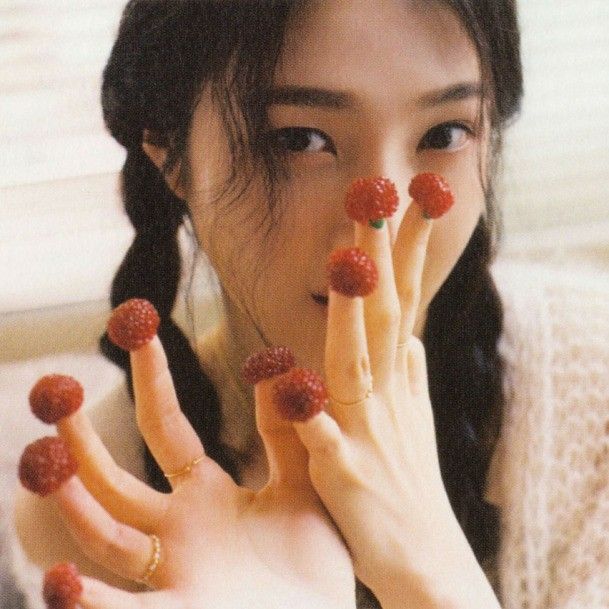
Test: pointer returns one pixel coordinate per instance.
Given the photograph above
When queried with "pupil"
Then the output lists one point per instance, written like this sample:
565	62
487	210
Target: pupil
296	140
441	138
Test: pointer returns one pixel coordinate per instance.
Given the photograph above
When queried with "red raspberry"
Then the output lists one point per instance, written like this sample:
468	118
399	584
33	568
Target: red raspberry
62	586
371	199
300	394
431	192
267	364
133	324
46	464
56	396
352	272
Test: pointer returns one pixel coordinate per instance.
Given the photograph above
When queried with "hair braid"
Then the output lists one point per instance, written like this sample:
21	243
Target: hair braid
151	270
465	321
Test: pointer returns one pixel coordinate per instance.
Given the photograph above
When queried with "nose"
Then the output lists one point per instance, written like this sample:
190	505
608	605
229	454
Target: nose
387	159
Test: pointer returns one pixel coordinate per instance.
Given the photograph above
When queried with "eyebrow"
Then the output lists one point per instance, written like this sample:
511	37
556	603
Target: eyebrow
313	97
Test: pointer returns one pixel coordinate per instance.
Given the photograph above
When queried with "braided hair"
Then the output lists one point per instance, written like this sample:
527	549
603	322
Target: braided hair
164	54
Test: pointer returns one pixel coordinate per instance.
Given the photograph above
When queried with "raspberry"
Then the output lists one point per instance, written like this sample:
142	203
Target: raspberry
133	324
371	200
45	465
62	586
267	364
431	192
300	394
55	396
352	272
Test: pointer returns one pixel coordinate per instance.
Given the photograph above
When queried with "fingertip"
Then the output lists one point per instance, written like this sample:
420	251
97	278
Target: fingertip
133	324
320	434
55	397
46	465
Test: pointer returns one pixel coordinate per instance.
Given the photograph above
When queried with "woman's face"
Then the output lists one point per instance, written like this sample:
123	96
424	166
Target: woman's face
386	88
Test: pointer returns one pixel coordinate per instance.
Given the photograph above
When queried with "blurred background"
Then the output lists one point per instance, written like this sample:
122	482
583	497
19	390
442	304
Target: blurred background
63	234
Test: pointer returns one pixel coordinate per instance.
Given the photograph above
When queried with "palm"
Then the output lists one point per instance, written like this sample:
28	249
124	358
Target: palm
221	545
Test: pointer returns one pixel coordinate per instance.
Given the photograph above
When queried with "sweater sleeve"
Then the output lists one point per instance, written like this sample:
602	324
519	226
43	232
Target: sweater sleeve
555	462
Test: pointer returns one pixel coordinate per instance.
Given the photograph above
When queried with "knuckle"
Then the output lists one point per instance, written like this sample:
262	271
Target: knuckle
408	297
358	370
388	317
416	347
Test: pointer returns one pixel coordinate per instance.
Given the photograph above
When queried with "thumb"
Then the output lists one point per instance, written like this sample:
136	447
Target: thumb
287	456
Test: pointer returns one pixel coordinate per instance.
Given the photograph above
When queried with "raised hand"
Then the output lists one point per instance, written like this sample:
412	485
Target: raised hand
373	453
209	543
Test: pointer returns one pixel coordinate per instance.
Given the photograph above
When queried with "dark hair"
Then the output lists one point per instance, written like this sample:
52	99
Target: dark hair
165	53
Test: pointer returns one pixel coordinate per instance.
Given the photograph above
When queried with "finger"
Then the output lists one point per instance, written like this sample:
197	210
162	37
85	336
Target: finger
98	595
286	455
123	495
115	546
417	367
347	366
382	307
408	261
322	438
166	430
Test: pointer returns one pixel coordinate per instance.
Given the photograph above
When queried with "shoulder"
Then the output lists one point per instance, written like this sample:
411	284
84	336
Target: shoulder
31	526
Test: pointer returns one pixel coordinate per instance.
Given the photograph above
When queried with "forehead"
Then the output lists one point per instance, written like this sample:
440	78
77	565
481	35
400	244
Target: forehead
398	46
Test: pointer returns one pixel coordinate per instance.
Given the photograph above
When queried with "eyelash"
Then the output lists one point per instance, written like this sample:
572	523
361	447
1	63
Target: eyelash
280	138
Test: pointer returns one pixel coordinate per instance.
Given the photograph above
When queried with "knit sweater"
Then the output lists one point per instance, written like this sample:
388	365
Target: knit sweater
550	471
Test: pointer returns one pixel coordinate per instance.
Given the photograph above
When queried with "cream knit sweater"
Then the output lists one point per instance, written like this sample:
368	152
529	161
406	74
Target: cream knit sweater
550	472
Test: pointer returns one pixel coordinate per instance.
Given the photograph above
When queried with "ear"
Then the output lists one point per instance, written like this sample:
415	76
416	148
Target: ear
158	155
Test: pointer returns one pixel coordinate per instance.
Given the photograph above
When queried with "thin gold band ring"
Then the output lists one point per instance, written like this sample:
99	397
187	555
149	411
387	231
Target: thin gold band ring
153	563
186	469
367	395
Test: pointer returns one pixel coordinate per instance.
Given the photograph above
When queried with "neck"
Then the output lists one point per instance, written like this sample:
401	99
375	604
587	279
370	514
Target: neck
222	352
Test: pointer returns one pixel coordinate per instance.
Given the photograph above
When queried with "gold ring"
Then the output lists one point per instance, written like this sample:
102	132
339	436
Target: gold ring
154	561
402	344
187	468
367	395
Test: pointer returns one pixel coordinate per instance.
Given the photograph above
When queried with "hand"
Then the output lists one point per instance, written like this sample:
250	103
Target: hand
221	545
373	454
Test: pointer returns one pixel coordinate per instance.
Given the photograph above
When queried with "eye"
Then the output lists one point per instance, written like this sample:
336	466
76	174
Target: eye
447	136
301	139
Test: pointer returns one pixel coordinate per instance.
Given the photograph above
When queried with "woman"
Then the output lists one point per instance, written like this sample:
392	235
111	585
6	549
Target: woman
252	119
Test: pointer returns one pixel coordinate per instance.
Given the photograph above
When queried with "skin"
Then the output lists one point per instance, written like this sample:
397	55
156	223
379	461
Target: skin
362	477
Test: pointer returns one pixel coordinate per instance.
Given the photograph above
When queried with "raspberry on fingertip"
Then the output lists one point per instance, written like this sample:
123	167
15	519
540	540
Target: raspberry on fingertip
351	272
432	193
55	396
300	394
62	586
133	324
371	200
267	364
46	464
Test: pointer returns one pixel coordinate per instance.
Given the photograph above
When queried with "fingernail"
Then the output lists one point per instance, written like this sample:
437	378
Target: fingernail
377	223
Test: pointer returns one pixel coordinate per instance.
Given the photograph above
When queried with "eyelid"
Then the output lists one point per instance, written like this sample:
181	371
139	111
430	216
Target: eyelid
467	127
274	133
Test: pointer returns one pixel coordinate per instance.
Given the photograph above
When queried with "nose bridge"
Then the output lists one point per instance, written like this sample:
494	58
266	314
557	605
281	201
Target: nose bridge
387	158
